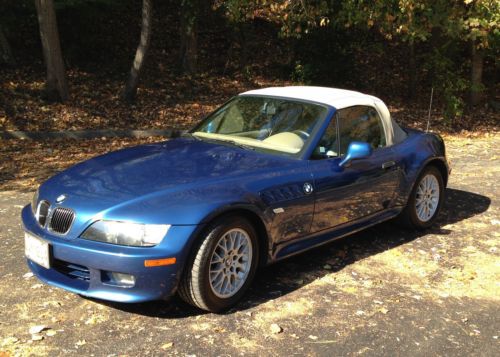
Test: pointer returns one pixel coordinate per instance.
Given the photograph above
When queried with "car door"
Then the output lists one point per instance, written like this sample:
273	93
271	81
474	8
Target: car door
365	186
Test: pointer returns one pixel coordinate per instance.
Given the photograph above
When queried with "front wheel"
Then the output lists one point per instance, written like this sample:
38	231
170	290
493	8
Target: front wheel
223	265
425	200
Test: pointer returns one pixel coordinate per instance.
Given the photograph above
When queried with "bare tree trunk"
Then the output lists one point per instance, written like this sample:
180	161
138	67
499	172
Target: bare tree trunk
189	36
5	50
476	90
130	91
56	86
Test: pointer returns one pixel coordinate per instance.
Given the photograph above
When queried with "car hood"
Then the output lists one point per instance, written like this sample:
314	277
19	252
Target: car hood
149	171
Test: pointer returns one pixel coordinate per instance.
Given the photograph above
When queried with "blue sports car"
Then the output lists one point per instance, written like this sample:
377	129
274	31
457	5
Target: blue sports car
271	173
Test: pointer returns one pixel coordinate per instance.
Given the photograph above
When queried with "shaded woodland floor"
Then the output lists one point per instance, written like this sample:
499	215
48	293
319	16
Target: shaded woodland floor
170	101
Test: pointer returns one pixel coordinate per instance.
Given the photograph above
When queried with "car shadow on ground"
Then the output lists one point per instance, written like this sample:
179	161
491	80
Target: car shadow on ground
293	273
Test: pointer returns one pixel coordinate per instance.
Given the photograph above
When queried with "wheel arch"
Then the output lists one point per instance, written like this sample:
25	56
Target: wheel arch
407	214
261	231
256	219
441	166
437	162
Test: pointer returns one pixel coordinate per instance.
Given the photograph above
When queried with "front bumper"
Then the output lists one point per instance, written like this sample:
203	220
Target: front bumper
82	266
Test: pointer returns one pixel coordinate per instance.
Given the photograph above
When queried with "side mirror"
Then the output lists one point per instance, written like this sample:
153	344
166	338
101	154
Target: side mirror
356	150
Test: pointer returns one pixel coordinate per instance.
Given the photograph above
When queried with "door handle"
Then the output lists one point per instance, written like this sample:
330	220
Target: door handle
388	164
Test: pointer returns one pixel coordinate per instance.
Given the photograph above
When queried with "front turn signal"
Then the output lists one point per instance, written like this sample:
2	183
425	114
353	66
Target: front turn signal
159	262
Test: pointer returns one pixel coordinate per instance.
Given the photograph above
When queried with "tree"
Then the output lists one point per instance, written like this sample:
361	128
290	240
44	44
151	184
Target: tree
130	91
5	50
410	21
238	12
480	23
189	15
56	86
297	19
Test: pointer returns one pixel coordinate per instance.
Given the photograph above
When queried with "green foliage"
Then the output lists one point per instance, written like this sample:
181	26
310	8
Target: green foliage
298	18
189	11
348	43
238	11
448	80
407	20
248	73
303	73
479	21
417	21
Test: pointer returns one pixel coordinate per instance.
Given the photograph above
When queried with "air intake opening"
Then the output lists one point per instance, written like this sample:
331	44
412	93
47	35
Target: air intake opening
61	220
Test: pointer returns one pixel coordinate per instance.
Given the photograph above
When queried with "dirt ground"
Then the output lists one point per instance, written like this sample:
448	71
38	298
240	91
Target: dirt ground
385	291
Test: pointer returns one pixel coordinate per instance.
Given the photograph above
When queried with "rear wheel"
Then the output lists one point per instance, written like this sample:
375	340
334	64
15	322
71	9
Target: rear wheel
425	200
223	265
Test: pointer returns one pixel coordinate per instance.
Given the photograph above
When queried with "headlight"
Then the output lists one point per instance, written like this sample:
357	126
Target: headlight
34	201
126	233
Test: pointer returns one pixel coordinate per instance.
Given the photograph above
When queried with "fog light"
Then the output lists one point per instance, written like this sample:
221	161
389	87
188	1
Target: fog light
118	279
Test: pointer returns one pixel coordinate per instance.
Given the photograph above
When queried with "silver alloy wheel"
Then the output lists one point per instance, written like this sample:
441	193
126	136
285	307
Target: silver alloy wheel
427	197
230	263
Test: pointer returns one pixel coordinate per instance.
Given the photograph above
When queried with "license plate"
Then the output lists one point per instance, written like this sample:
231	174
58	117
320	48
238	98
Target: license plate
37	250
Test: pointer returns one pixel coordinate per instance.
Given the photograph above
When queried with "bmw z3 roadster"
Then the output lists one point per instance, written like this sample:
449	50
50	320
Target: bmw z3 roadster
271	173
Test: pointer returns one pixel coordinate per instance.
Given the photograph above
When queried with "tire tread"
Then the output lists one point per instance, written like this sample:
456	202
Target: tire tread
407	216
191	287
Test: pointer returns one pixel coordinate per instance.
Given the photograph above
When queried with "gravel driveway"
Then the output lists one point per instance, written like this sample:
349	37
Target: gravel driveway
385	291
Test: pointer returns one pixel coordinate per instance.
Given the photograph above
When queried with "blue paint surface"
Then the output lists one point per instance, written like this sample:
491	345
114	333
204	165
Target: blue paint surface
186	182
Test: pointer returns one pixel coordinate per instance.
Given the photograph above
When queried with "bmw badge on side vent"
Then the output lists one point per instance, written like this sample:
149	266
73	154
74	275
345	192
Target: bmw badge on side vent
308	188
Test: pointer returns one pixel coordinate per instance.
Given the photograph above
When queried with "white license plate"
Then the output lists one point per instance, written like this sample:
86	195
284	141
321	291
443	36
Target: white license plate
37	250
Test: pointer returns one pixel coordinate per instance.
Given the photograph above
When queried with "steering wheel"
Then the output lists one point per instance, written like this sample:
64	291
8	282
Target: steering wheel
303	134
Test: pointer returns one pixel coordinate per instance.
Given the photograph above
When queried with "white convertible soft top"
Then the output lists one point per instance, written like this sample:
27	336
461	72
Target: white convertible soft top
339	99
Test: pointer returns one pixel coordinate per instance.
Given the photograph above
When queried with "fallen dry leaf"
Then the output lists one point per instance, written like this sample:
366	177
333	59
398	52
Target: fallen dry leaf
9	341
51	333
36	337
275	328
167	345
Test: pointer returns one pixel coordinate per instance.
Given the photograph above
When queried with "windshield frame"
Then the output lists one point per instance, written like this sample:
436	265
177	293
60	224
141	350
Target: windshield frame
305	151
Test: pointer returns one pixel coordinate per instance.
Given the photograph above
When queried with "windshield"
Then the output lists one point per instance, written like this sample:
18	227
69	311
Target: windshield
263	123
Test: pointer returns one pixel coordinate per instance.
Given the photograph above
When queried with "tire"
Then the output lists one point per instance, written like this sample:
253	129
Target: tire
196	286
418	217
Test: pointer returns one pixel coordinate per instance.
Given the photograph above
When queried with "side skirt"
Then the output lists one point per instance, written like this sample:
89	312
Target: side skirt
317	239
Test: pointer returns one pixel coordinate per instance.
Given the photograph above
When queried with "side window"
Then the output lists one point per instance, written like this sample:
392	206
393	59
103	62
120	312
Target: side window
328	145
360	123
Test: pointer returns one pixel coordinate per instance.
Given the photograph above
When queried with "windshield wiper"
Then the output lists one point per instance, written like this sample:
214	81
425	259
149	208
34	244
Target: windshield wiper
240	145
232	142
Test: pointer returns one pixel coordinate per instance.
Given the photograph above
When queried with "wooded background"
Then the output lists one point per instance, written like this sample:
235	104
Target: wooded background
89	57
